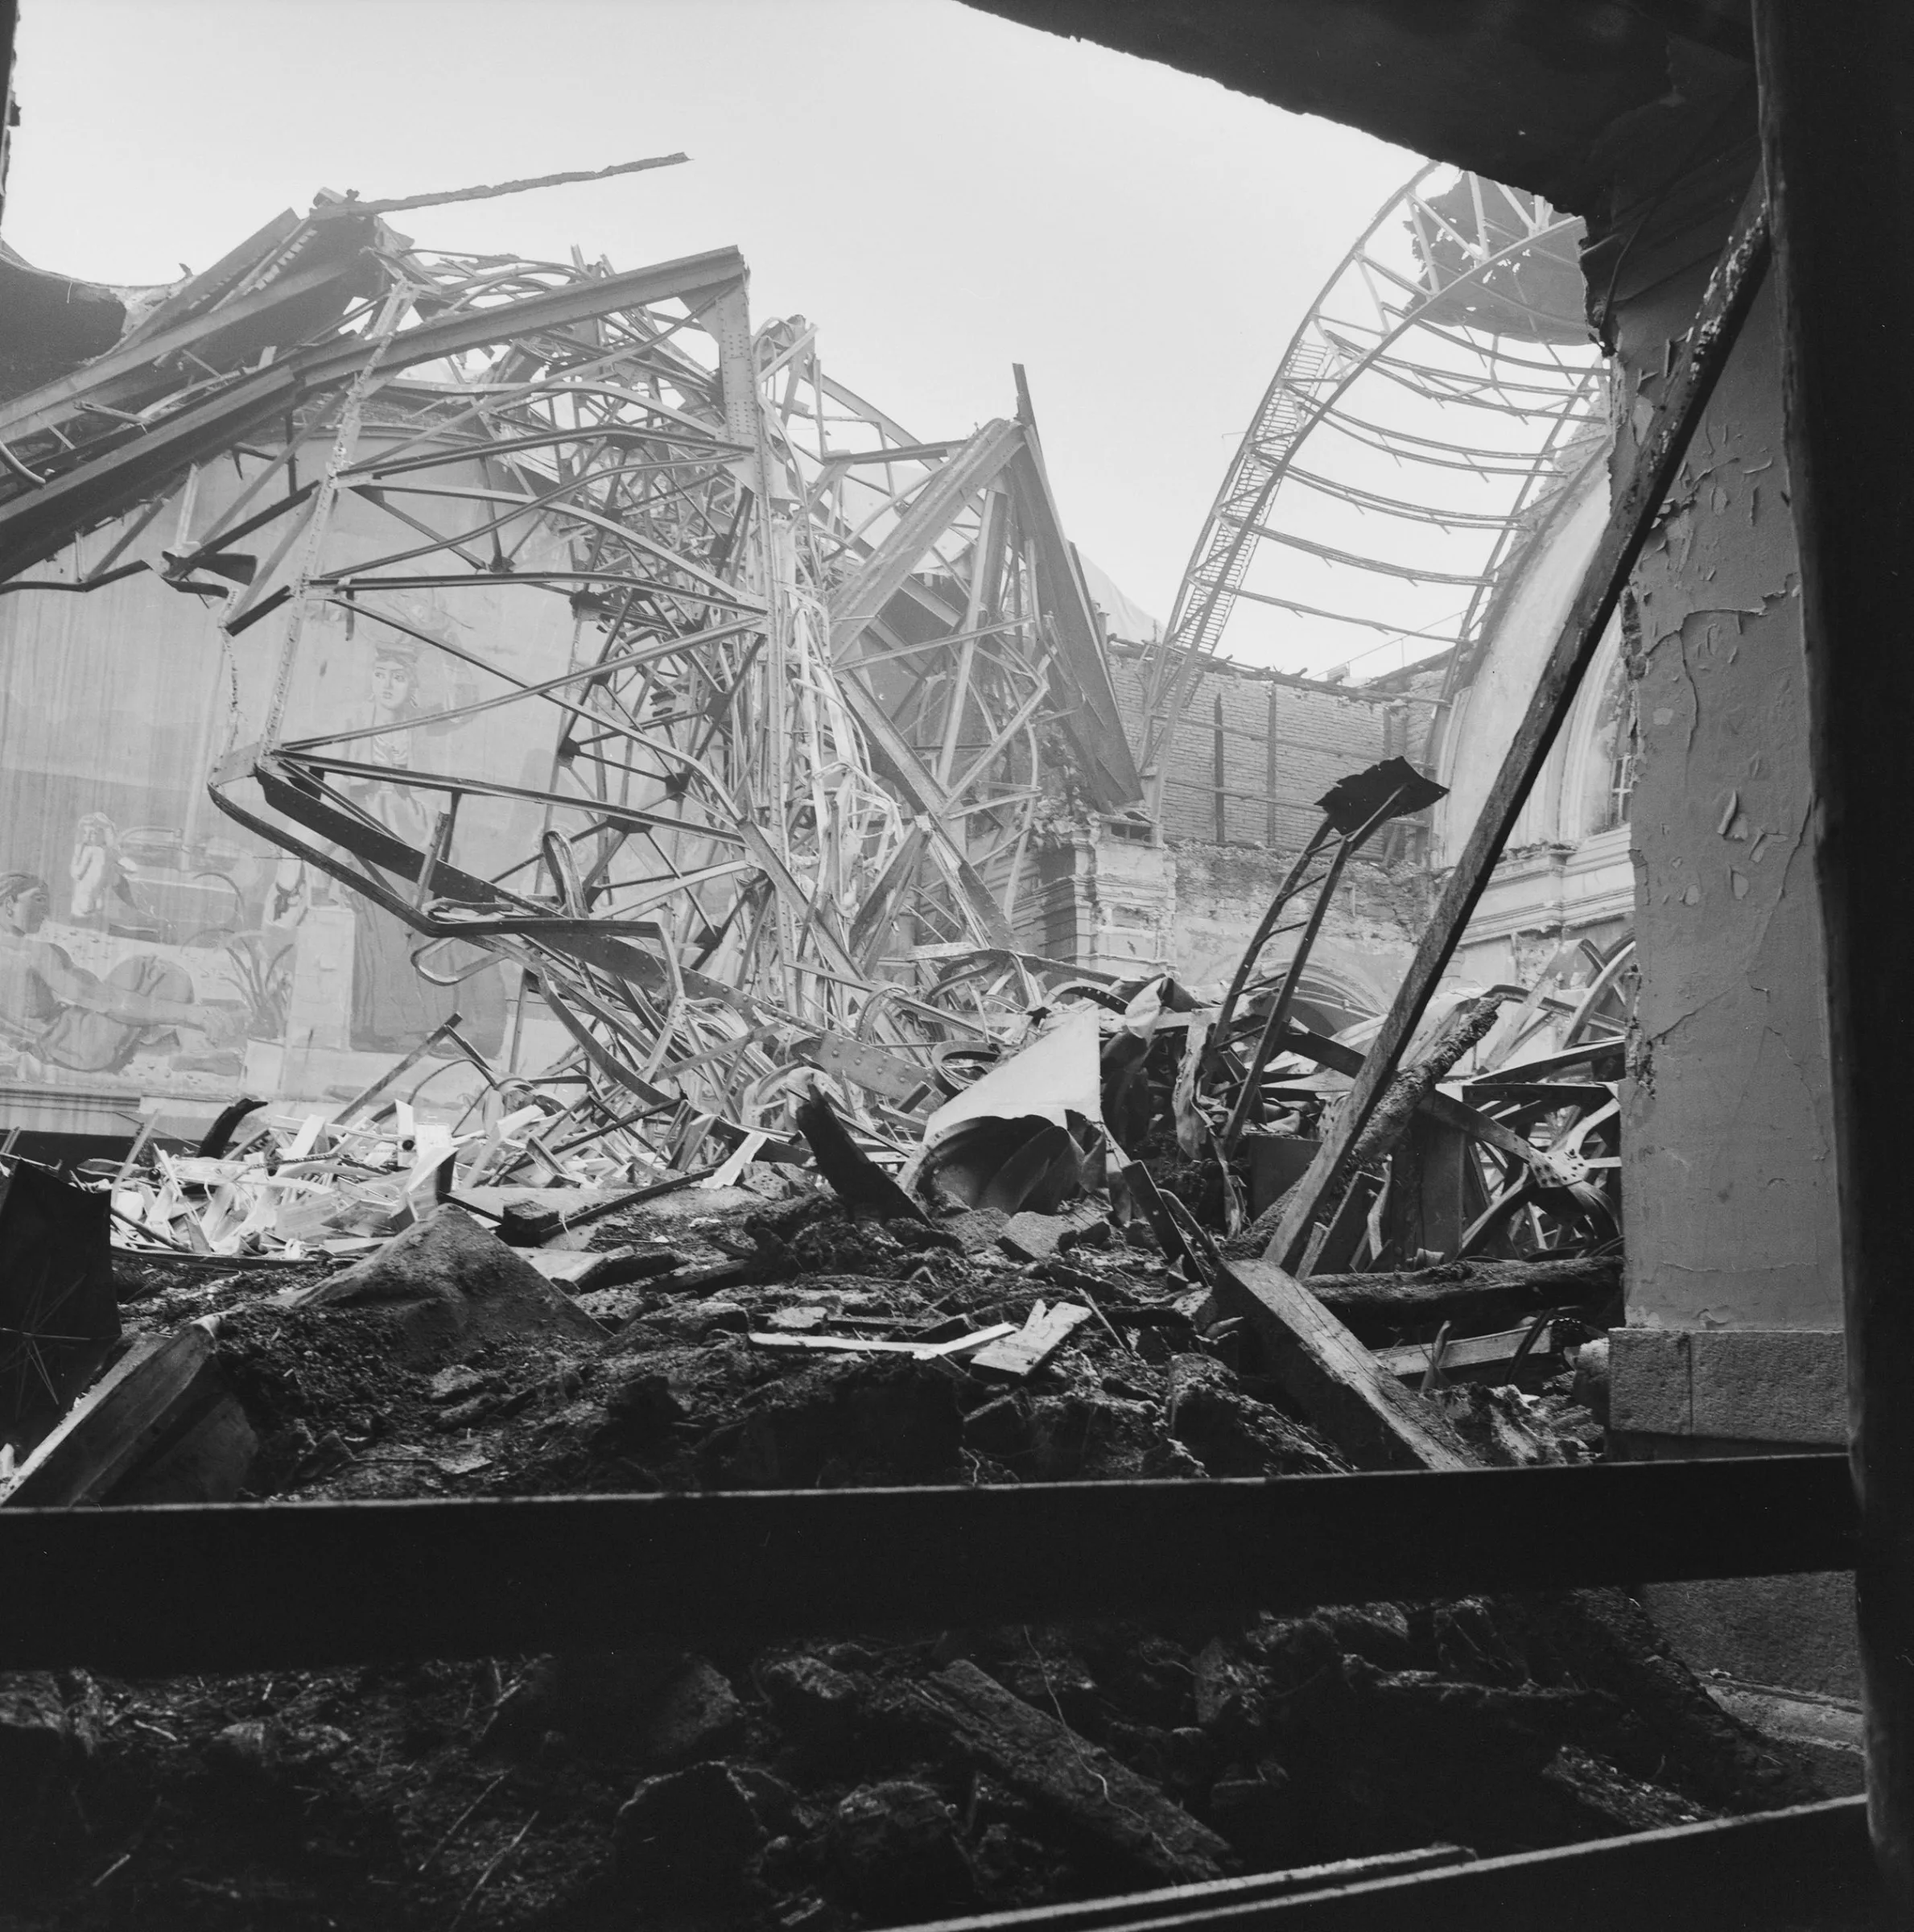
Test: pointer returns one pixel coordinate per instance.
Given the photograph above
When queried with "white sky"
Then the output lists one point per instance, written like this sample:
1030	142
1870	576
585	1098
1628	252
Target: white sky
942	193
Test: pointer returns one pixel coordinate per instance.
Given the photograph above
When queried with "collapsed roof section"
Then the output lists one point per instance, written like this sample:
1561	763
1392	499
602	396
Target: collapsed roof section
811	680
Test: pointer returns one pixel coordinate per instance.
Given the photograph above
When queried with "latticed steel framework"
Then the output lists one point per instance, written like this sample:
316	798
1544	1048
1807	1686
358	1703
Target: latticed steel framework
823	674
1440	393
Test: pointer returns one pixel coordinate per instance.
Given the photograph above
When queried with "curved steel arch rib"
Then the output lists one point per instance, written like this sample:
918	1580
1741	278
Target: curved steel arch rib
1445	386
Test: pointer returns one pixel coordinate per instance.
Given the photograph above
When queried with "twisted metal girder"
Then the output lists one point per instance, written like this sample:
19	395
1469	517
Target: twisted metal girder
822	677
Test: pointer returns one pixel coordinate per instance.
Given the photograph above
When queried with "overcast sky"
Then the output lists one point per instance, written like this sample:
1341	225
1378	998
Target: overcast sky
942	192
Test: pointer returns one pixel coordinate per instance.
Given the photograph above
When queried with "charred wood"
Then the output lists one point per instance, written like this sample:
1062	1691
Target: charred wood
1473	1295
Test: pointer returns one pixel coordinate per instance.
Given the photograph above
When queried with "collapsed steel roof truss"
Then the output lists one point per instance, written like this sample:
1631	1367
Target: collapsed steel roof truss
824	675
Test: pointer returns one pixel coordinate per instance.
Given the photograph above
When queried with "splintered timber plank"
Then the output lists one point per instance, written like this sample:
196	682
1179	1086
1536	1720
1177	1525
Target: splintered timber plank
1034	1343
1411	1361
858	1344
1343	1390
256	1586
1704	353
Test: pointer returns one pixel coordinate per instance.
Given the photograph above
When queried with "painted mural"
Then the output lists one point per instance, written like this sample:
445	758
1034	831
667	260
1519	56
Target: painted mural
149	944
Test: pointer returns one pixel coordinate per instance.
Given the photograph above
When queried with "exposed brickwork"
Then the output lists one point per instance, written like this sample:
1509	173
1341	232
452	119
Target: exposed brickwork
1321	733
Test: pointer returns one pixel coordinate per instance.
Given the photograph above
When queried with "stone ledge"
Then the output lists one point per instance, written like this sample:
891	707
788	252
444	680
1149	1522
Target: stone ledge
1747	1384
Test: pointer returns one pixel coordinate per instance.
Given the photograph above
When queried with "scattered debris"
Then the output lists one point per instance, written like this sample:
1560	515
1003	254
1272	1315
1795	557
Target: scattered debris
446	1285
874	1774
1033	1345
778	1213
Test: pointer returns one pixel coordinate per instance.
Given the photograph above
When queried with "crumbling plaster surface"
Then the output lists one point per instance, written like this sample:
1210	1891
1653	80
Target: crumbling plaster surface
1489	709
1728	1181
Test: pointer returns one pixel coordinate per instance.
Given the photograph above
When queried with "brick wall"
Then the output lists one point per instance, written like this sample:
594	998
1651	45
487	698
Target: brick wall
1254	750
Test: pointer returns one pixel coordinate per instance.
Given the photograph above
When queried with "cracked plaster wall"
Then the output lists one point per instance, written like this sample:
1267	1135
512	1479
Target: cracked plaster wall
1727	1170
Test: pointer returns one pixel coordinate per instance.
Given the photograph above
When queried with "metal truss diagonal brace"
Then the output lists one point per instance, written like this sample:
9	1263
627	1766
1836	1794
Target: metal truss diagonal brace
36	525
1730	294
861	597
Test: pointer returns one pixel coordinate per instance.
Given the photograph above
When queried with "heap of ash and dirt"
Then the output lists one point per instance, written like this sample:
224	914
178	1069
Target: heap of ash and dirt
803	1328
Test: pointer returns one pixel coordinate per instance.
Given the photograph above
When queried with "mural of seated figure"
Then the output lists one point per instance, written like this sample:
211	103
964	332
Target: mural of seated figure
59	1014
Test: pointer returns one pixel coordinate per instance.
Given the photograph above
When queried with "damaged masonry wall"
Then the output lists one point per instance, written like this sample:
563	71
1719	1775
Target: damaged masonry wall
1733	1340
1728	1171
1251	753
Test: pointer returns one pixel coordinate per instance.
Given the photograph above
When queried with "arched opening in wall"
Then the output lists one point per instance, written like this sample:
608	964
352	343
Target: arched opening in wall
1614	749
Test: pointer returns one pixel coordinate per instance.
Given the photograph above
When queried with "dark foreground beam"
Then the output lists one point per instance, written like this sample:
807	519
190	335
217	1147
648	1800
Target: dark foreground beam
254	1586
1807	1866
1837	83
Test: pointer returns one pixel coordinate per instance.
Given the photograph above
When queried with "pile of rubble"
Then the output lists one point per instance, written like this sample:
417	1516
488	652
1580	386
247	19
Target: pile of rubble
774	1335
1060	1253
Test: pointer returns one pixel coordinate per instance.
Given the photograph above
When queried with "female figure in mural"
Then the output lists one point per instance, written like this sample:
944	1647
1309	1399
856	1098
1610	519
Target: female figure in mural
101	889
395	702
394	1007
62	1014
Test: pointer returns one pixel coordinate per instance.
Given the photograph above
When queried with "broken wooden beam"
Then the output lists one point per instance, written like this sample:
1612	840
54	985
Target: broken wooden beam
1379	1307
1702	355
859	1344
243	1587
578	1270
1438	1106
1406	1092
1336	1382
1482	1358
